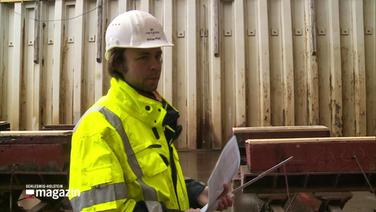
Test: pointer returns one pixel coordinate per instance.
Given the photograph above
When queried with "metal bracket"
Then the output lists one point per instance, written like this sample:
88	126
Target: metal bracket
181	34
322	32
298	32
275	32
92	39
251	32
368	31
228	33
70	40
344	31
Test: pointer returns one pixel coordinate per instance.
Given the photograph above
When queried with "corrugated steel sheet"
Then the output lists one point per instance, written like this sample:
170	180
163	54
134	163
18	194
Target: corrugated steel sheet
235	63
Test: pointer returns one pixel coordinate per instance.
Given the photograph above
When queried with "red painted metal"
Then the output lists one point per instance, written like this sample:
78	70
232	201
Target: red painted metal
31	152
325	155
244	133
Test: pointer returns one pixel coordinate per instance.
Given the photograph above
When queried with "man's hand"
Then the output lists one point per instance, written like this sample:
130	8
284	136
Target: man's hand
224	200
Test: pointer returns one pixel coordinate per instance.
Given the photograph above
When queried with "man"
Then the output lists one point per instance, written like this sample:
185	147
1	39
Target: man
123	157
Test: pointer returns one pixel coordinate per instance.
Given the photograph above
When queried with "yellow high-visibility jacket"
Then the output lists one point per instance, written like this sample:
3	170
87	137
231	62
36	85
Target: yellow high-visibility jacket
122	153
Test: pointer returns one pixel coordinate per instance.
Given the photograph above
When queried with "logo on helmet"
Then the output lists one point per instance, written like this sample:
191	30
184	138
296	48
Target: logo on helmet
153	35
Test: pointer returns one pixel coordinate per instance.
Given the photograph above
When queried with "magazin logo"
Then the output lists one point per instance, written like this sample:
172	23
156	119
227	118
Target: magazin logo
54	192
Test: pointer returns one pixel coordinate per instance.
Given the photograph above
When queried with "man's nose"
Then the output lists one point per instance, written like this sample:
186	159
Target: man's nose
156	64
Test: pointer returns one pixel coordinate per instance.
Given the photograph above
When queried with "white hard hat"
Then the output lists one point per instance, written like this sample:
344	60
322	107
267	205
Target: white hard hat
135	29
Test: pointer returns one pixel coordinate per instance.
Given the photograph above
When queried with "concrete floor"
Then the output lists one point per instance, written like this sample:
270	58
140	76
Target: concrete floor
199	164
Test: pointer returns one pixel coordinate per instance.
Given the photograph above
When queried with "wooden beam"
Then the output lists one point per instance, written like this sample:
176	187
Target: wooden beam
203	102
110	8
264	63
14	1
336	122
43	75
80	8
37	32
299	34
15	73
100	10
215	77
311	64
38	38
68	65
58	127
28	70
240	78
99	77
57	65
180	69
272	129
288	65
244	133
145	5
123	6
370	58
32	133
254	96
158	13
347	62
3	80
359	68
215	26
167	52
191	75
48	8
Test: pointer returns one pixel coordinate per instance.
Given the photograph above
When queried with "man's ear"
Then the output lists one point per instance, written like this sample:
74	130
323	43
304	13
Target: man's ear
124	65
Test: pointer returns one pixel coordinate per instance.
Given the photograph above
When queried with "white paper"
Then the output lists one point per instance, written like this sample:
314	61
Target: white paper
227	166
203	209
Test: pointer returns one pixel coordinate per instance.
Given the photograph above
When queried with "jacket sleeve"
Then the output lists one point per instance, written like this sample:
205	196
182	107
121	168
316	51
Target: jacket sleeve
96	173
194	189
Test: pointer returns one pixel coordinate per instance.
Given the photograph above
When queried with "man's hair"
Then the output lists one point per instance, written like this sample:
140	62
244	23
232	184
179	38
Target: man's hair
116	63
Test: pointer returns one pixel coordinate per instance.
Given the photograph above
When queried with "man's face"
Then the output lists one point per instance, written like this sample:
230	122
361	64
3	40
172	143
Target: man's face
143	68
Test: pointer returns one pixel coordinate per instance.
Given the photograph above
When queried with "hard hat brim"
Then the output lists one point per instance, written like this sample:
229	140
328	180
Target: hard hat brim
143	46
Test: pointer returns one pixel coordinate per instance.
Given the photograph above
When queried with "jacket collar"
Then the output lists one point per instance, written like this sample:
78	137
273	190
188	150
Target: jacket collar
147	110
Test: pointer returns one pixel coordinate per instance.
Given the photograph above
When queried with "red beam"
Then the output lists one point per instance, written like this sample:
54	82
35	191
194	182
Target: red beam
34	151
334	155
244	133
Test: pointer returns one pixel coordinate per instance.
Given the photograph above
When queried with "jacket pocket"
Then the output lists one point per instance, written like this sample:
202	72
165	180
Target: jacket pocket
155	173
151	162
99	175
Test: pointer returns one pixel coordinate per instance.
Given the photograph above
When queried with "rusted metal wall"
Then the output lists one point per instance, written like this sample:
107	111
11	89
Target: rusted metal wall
234	63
